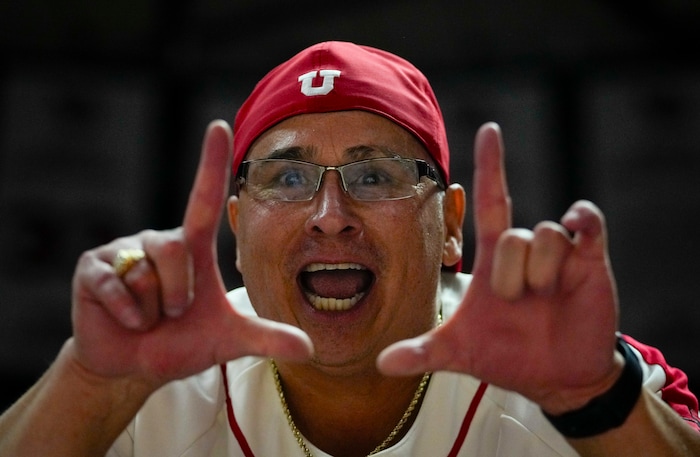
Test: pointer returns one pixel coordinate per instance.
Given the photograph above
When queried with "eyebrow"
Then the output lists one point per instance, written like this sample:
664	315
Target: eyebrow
307	153
369	151
293	152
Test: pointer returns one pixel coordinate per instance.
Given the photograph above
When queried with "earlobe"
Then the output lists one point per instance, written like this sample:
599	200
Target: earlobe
232	210
454	209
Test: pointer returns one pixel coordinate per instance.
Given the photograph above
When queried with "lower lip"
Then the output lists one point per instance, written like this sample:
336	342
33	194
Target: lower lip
332	304
334	315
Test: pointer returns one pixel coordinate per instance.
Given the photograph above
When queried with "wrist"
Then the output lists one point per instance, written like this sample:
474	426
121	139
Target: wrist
118	390
70	411
608	410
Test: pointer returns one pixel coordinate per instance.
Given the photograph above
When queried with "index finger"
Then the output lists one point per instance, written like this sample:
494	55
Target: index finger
492	206
208	193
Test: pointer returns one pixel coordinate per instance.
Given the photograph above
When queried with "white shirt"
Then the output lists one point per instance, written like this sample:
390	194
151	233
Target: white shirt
189	418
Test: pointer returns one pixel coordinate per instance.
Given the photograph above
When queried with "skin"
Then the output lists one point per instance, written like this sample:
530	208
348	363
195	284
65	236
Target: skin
403	242
167	318
530	302
538	296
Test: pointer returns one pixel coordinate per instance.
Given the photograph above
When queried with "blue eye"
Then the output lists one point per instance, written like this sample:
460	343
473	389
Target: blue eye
292	178
374	178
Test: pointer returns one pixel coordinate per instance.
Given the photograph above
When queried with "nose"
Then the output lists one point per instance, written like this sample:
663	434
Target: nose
332	209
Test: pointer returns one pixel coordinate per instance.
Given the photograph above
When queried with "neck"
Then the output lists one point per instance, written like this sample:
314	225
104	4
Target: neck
347	416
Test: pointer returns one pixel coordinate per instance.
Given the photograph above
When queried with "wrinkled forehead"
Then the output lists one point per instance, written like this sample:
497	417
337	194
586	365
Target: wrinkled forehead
337	138
338	76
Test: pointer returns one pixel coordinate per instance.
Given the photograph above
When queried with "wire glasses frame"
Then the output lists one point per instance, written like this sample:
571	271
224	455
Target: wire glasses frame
377	179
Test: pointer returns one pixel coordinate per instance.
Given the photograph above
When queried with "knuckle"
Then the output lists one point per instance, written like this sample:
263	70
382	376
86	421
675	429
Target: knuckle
547	227
85	259
140	283
147	233
519	235
171	247
165	244
88	266
101	278
513	242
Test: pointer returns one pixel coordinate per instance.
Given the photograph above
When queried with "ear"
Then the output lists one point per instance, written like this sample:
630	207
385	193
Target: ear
454	208
233	215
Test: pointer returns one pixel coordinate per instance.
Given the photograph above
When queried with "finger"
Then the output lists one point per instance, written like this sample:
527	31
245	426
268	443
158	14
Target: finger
168	253
142	282
548	251
587	221
491	199
508	276
208	194
266	338
492	207
416	355
95	282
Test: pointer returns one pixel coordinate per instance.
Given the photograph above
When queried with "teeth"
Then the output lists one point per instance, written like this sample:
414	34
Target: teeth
330	303
333	266
333	304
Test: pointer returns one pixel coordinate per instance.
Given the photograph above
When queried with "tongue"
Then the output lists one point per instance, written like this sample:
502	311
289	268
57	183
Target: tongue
336	283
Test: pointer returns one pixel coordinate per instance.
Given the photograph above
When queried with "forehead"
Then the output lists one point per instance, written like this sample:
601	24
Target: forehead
338	135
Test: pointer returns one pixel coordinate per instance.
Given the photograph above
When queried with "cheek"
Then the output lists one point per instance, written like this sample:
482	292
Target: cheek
434	232
416	232
261	239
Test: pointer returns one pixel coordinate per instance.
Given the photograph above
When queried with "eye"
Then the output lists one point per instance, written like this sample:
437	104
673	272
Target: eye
291	178
372	176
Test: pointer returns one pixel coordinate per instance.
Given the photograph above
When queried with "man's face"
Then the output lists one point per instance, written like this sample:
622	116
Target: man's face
380	261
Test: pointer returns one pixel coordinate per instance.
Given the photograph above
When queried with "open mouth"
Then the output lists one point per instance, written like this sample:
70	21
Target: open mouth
337	286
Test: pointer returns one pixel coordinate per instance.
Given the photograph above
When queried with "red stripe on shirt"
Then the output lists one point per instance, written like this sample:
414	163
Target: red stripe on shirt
468	418
461	436
235	428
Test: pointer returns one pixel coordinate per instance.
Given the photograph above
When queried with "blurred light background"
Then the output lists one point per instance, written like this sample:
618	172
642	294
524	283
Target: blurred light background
103	105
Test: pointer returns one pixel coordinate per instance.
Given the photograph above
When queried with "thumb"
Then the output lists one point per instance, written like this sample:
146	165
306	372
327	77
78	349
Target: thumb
413	356
266	338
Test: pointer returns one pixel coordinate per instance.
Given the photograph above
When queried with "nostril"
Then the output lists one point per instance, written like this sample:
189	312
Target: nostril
333	210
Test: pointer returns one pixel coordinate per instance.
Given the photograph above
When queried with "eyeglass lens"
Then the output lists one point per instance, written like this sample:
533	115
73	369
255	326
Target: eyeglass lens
368	180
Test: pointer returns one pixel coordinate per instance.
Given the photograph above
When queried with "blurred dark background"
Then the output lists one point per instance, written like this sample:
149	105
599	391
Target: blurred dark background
103	104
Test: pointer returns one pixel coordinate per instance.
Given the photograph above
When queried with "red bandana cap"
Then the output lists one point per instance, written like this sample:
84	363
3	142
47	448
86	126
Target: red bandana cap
340	76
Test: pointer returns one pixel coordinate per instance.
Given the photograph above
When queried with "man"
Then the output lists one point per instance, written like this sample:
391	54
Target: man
354	334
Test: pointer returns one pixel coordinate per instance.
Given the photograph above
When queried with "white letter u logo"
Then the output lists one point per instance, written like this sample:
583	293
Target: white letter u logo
306	81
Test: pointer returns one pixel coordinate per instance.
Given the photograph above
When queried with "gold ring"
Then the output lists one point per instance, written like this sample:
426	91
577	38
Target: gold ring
126	259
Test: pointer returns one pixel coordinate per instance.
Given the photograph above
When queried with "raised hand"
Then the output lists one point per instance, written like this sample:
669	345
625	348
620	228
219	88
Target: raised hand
540	315
168	316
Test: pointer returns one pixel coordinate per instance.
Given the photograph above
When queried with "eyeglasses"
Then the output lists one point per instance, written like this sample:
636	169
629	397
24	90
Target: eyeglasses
384	178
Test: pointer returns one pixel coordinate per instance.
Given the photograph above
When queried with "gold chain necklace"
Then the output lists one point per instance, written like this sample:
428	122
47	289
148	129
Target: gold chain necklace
300	439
